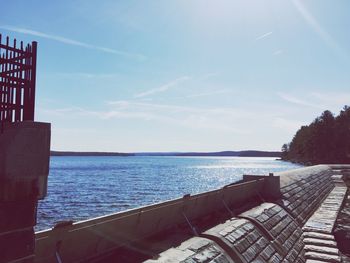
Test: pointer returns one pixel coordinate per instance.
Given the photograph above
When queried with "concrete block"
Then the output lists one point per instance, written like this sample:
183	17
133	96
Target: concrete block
16	245
17	215
320	242
322	249
322	257
318	236
25	154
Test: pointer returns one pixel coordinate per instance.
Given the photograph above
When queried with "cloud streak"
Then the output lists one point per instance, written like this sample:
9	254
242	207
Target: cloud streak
278	52
163	88
313	23
212	119
72	42
209	93
295	100
263	36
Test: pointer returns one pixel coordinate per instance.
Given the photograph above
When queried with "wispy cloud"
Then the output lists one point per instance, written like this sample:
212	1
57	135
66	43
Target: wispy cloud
263	36
287	124
72	42
163	88
278	52
332	99
83	75
209	119
295	100
313	23
208	76
209	93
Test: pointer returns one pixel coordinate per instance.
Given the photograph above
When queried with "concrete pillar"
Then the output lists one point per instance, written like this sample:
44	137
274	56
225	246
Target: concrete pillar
272	188
24	167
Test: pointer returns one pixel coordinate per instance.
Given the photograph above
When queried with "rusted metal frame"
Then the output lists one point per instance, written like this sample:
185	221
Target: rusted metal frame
17	56
8	47
3	61
10	78
15	70
17	81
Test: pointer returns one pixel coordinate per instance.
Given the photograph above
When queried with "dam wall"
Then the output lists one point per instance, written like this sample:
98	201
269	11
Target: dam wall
286	217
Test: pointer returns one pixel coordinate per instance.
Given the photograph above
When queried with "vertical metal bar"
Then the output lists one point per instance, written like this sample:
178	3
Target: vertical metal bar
12	105
1	89
25	90
1	93
33	78
6	80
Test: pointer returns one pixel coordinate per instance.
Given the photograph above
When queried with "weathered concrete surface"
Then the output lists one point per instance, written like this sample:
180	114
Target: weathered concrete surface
291	176
301	197
285	232
323	220
24	164
323	257
246	241
320	236
342	229
194	250
320	242
24	159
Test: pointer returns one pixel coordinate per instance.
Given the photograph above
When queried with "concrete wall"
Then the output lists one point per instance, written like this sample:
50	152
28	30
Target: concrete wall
83	240
24	167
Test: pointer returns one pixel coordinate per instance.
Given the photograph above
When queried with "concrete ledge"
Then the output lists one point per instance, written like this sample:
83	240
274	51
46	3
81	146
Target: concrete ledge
323	220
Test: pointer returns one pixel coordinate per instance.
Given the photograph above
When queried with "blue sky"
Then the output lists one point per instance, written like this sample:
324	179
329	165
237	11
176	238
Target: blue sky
186	75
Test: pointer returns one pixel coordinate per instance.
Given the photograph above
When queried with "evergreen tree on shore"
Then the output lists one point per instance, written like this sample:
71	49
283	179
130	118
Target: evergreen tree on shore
325	140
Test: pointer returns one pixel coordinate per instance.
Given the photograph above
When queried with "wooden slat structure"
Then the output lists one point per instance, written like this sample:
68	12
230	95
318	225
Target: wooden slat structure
17	81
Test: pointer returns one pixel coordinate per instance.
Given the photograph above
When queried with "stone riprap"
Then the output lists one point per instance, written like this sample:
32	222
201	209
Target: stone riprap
302	197
285	232
194	250
246	241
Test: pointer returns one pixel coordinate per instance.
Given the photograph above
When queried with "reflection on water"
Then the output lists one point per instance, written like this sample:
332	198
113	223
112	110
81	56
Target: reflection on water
85	187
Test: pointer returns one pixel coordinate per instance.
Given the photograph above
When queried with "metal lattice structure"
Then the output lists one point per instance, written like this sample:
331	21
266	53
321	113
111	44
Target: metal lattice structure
17	81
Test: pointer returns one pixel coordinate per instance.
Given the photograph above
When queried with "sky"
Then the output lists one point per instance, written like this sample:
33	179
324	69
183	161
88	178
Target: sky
185	75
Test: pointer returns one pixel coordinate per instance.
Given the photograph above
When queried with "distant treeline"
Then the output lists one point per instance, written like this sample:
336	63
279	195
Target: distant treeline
234	153
224	153
62	153
325	140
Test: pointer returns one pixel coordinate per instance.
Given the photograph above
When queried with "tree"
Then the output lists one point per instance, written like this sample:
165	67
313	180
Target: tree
325	140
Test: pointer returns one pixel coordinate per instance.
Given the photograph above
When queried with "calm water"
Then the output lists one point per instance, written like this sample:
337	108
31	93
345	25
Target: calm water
86	187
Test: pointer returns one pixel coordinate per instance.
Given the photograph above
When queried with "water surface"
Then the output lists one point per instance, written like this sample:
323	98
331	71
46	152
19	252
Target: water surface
89	186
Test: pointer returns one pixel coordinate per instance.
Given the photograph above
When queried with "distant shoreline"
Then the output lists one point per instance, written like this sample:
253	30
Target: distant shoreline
210	154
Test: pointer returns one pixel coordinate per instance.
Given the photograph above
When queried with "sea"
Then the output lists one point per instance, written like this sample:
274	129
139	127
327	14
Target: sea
85	187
